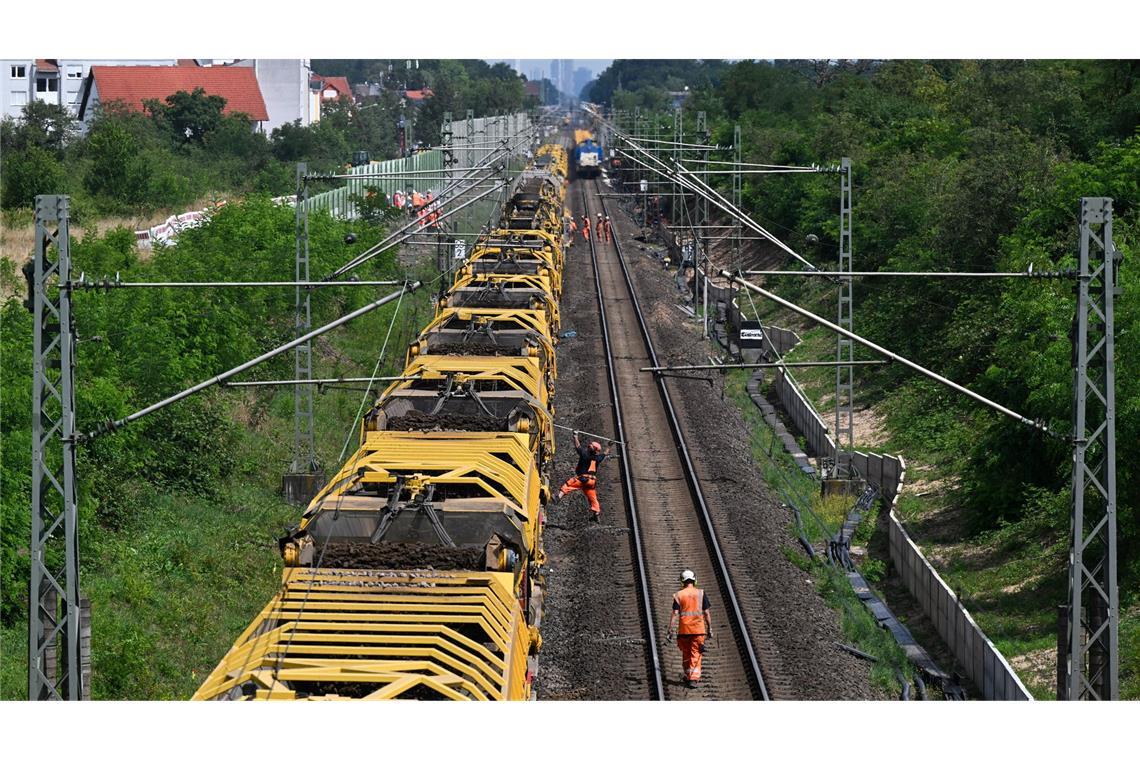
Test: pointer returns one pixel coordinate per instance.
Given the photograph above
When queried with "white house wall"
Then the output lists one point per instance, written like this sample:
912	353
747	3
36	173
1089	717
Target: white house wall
14	94
284	84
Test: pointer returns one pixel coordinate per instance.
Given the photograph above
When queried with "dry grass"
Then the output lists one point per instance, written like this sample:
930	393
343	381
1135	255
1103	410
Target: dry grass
1037	669
18	230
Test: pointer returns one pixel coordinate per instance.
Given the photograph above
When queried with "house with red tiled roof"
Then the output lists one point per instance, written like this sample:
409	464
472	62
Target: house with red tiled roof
331	87
418	96
132	85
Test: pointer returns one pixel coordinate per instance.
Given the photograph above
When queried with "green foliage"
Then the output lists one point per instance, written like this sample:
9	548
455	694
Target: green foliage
30	172
42	125
654	78
185	149
155	342
188	116
965	166
117	173
179	511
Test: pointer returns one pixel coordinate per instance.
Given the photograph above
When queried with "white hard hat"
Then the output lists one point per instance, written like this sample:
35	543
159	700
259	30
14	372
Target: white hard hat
688	575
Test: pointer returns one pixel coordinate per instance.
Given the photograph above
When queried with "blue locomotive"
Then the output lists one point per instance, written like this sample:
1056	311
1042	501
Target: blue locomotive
587	155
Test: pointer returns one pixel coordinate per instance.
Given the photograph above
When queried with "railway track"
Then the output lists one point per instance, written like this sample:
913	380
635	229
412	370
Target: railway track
669	520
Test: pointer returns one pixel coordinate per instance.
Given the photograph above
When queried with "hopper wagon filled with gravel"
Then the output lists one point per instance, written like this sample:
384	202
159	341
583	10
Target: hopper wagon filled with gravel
414	573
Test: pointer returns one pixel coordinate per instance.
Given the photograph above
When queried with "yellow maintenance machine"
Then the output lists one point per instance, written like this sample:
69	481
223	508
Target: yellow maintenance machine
413	574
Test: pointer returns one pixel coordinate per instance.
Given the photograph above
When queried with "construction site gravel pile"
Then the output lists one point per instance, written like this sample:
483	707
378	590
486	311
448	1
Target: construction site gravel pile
423	422
751	522
402	556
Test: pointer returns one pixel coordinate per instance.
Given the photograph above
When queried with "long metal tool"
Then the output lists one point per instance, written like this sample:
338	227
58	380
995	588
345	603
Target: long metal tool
592	435
112	425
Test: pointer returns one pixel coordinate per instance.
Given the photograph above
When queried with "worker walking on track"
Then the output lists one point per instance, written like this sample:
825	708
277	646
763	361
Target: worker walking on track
601	227
609	230
586	474
691	622
586	227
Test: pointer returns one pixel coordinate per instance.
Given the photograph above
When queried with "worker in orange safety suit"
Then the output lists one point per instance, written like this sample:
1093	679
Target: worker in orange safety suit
601	227
586	227
585	478
691	623
609	230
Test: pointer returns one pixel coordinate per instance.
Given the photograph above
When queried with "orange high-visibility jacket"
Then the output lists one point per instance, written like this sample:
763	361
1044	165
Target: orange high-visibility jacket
691	601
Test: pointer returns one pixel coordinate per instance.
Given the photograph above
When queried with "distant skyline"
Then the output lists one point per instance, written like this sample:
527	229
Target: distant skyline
526	66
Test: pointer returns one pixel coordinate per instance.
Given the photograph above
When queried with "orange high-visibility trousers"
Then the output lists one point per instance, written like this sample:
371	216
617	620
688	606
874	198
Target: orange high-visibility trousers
690	646
586	484
586	233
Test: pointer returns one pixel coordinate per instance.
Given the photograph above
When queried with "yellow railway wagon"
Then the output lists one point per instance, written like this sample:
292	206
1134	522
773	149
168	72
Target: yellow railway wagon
509	393
493	290
413	573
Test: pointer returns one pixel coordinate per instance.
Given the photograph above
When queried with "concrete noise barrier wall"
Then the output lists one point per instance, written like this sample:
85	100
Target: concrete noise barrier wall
990	672
983	663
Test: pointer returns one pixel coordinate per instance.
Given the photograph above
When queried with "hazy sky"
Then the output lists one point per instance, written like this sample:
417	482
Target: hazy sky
526	65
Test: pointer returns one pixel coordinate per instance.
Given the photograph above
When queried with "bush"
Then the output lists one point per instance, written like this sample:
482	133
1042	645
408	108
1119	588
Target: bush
30	172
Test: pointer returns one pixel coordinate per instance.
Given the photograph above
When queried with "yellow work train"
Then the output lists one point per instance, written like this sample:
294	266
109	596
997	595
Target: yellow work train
413	572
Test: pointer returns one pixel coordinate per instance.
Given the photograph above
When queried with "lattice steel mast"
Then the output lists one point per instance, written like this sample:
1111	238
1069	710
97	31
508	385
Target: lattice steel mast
844	347
55	659
300	483
1091	668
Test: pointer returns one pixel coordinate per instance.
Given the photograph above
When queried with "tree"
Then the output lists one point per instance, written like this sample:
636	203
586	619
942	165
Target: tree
43	125
116	173
188	116
292	142
30	172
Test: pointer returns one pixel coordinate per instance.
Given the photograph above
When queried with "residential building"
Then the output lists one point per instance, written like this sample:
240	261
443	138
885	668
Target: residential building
52	80
323	89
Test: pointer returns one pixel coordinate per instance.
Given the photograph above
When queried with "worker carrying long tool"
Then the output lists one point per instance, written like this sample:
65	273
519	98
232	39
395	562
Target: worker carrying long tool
586	473
691	623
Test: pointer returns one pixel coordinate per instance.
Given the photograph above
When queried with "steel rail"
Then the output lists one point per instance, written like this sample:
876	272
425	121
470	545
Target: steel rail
657	684
744	639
